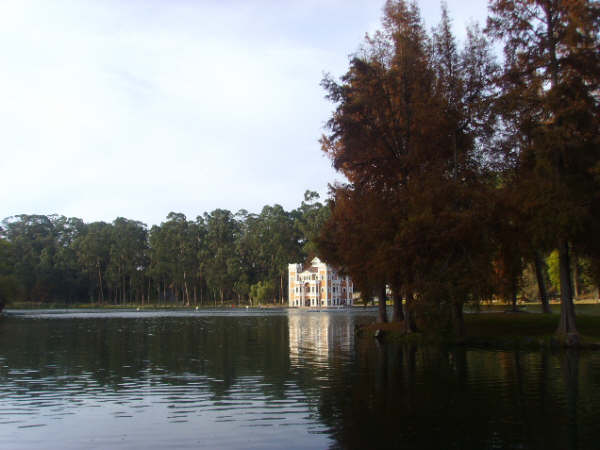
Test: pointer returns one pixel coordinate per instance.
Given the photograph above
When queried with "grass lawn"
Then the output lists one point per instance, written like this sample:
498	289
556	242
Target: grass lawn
493	326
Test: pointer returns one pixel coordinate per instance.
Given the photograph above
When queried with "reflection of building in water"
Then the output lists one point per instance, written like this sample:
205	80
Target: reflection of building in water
315	335
319	285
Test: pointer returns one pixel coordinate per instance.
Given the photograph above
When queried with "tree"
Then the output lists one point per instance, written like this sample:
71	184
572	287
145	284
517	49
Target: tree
411	119
309	218
219	253
174	254
262	291
8	285
550	93
128	259
92	249
375	136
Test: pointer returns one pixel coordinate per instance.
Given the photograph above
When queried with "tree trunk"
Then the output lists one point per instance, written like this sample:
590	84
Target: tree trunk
458	319
539	274
382	304
566	325
398	314
577	290
409	315
187	293
100	284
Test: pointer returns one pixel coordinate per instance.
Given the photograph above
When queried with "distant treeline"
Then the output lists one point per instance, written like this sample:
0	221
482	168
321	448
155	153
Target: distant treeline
219	256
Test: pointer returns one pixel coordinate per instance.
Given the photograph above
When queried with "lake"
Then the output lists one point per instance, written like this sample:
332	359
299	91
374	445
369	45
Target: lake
274	379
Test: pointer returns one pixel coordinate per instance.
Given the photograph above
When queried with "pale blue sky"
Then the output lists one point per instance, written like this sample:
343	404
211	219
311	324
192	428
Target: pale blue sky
136	108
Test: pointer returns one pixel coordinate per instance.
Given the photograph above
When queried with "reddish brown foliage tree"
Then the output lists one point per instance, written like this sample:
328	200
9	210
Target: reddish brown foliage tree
550	98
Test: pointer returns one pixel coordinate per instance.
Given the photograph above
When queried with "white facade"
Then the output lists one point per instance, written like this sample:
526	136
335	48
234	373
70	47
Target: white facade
318	286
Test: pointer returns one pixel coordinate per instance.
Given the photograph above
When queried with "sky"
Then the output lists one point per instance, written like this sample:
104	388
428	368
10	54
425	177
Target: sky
136	108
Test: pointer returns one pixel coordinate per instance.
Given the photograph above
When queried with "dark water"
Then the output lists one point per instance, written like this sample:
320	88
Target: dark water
278	380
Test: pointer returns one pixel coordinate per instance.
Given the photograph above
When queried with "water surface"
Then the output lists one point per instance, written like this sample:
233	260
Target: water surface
273	379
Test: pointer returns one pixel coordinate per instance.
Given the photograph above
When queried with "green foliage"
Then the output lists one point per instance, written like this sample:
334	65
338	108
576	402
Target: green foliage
553	270
262	291
310	217
216	257
8	290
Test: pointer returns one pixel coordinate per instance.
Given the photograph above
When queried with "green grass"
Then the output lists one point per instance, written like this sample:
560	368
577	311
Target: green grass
502	329
531	325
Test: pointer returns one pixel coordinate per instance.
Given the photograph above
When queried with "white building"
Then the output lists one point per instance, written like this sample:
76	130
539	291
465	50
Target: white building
318	285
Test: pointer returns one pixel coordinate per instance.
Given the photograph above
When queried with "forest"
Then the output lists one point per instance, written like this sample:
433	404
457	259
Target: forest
220	256
465	167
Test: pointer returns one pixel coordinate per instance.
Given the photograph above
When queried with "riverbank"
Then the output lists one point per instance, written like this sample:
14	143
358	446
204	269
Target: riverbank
498	330
148	306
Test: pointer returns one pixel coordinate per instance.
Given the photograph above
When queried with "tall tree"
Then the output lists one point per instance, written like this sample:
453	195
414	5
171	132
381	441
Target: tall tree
221	233
550	91
93	253
8	284
376	133
310	217
128	259
408	131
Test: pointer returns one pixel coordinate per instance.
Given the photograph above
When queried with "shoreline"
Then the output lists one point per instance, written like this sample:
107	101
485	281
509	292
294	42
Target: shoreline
495	330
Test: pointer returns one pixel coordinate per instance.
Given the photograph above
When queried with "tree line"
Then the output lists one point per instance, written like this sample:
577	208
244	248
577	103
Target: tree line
462	169
218	256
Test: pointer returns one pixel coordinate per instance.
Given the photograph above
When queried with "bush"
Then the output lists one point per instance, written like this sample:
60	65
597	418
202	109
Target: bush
261	291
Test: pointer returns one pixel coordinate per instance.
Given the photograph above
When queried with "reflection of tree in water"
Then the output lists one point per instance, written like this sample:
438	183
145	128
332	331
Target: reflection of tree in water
404	396
571	375
367	395
112	351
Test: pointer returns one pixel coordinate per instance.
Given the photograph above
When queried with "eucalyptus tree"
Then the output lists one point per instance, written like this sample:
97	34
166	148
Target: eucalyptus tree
128	259
246	264
279	240
71	280
174	255
92	248
309	218
34	244
8	284
218	254
158	269
200	237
